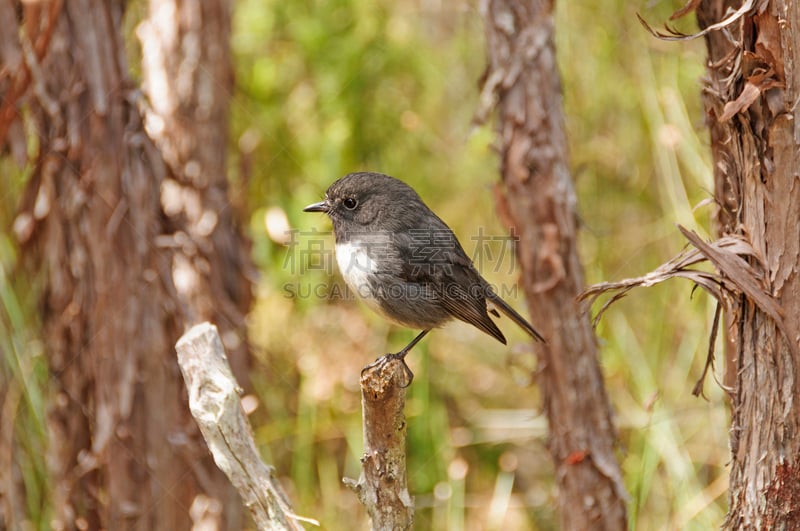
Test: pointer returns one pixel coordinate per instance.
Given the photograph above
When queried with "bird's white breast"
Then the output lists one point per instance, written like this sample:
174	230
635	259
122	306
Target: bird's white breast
356	267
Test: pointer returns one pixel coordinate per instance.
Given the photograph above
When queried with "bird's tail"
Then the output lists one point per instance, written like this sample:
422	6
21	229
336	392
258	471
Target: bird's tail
514	316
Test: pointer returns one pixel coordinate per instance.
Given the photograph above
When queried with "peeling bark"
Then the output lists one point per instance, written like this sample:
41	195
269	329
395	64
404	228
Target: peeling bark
750	100
538	199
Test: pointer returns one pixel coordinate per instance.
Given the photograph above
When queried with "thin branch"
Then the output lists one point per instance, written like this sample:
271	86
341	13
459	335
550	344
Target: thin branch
215	405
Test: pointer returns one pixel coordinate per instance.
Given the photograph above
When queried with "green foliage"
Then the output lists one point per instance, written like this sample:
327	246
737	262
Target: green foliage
23	375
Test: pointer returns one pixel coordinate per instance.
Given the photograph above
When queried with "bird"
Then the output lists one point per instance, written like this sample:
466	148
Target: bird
405	263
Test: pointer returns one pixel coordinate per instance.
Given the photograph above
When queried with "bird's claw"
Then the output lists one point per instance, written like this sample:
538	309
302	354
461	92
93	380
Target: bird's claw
386	358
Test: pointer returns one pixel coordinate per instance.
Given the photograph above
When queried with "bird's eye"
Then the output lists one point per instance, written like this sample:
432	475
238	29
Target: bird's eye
350	203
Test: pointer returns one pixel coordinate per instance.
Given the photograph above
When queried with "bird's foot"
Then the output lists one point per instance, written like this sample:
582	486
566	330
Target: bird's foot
386	358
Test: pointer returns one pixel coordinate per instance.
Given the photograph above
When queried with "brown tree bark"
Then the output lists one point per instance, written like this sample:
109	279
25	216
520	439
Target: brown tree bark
537	197
750	99
188	78
124	450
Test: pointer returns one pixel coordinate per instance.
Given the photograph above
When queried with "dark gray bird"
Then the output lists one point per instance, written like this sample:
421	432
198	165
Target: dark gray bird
405	262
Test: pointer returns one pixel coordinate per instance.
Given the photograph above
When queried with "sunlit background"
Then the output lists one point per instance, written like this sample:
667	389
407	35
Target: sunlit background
325	88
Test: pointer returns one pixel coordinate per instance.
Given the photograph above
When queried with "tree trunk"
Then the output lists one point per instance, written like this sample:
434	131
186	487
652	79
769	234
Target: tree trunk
124	450
751	105
188	77
538	199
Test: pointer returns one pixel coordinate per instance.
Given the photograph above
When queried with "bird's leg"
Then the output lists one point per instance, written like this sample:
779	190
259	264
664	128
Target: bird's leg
401	356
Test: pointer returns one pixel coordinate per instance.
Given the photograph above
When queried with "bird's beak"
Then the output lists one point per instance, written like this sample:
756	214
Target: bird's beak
322	206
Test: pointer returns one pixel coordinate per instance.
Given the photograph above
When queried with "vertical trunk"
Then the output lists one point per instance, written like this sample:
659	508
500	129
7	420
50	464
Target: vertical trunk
123	448
188	77
539	200
751	105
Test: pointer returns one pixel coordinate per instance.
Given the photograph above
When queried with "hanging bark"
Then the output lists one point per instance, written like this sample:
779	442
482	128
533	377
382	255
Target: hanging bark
124	450
750	100
537	197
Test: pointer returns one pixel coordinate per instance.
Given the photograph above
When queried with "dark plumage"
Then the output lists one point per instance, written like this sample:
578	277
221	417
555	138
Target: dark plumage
404	261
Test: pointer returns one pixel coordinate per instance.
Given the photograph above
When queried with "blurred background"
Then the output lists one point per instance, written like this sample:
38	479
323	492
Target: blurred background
326	88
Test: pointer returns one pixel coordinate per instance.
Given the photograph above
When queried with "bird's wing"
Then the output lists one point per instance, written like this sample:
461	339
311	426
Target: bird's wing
434	258
469	305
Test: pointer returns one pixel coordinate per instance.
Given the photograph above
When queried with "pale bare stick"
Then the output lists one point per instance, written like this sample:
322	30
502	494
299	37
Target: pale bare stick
215	404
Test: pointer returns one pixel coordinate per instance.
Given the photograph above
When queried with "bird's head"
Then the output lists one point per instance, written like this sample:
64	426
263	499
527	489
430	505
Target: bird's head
367	201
